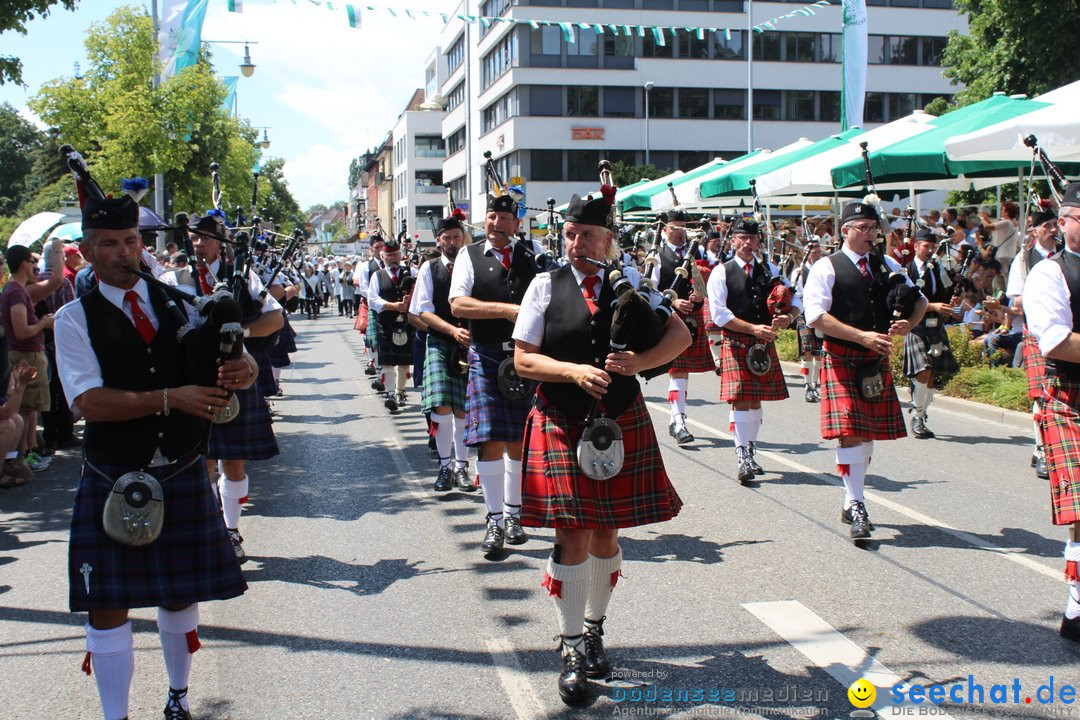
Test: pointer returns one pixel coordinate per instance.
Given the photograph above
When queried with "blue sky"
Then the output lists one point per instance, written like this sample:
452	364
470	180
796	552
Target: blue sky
327	91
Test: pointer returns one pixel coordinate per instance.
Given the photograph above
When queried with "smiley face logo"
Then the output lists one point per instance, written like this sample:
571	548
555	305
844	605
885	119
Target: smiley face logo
862	693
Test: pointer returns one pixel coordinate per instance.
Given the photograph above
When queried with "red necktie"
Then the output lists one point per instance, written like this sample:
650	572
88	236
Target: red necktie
749	270
505	252
864	268
142	323
393	275
204	281
589	285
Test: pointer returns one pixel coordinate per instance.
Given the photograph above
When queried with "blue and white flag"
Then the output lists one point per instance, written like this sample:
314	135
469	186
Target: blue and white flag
229	102
853	94
180	34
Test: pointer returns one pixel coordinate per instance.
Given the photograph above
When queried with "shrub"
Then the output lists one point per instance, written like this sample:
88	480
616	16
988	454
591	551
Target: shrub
787	345
1004	387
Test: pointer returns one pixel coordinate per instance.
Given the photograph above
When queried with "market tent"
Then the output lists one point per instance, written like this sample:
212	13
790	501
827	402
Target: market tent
541	217
642	198
34	228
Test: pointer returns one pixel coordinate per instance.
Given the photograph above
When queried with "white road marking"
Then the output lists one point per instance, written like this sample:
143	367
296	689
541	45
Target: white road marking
516	683
830	650
973	540
405	469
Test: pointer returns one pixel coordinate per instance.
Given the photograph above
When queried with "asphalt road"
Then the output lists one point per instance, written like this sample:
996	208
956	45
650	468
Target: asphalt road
369	597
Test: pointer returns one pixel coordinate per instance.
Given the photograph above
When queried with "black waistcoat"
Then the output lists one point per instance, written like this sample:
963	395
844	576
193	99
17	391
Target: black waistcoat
574	335
939	294
440	296
373	267
1070	268
128	364
668	262
389	291
746	296
857	302
493	283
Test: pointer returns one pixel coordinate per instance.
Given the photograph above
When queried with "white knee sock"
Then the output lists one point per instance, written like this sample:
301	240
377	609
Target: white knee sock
734	429
568	586
492	479
921	396
402	377
851	466
461	453
677	399
868	451
1035	412
757	417
603	574
444	435
113	658
742	419
179	640
1072	577
512	486
234	494
815	369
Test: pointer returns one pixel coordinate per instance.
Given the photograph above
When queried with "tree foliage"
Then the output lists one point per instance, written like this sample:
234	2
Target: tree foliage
14	14
624	173
19	140
1013	46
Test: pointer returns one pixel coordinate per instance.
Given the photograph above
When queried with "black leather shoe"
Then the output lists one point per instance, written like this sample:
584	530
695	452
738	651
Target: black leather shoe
173	709
845	517
514	533
746	473
758	470
390	403
809	394
573	685
1070	629
377	385
683	436
493	537
918	427
860	522
445	481
596	659
1034	459
369	370
463	480
1040	467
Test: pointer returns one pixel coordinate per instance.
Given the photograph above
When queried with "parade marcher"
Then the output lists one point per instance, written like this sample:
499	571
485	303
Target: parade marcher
738	295
691	307
846	298
121	363
1052	305
371	334
563	336
809	338
389	294
487	286
928	356
249	436
446	347
348	291
309	292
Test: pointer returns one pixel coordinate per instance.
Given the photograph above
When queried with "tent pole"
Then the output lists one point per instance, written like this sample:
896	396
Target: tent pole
1021	198
998	215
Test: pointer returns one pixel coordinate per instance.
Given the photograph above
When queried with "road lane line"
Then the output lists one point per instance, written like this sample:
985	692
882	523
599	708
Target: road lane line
827	648
969	538
515	682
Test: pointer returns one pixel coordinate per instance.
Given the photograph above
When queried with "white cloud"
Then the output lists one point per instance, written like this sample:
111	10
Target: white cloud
319	174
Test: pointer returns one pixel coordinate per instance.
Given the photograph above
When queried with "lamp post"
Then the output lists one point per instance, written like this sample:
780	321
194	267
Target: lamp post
247	68
265	142
648	87
749	76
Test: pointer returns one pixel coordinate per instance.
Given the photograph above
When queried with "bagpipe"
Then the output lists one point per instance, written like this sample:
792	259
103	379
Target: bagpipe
1054	177
872	197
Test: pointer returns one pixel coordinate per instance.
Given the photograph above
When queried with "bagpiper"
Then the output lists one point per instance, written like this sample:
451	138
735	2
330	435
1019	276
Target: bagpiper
389	294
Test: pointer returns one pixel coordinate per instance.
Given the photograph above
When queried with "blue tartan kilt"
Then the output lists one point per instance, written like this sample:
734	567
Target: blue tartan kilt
442	388
265	379
250	436
490	417
191	561
279	354
374	332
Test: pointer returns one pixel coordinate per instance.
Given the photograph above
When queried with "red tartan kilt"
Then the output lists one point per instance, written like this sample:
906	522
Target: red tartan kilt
710	326
555	493
844	411
737	383
697	358
1060	425
361	318
1034	365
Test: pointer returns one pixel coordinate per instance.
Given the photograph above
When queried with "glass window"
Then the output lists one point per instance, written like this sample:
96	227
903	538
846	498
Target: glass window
943	4
799	105
628	157
583	101
545	100
547	165
799	46
499	111
661	102
690	159
456	96
902	50
875	107
830	105
545	40
618	45
694	5
586	43
767	104
875	50
933	48
430	146
901	104
619	101
657	4
501	58
619	4
456	141
729	104
693	103
829	47
651	50
455	55
581	164
691	47
732	49
767	45
662	160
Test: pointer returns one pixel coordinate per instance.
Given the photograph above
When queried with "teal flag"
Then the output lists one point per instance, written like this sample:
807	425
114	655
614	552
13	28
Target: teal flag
180	34
229	103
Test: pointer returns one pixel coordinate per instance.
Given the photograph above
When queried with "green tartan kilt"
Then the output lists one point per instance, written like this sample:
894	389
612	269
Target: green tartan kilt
442	388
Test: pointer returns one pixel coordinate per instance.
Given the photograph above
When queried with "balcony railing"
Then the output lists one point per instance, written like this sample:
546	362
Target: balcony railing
430	152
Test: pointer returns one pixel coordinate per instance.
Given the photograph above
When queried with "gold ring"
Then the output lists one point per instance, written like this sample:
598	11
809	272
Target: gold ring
209	408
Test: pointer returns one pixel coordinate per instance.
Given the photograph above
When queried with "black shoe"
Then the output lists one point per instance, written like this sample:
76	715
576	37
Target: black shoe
493	537
845	517
809	394
402	398
173	709
238	544
860	522
1070	629
573	685
746	473
1034	459
390	403
463	480
369	370
683	436
514	533
445	481
671	428
758	470
377	385
596	659
918	427
1040	468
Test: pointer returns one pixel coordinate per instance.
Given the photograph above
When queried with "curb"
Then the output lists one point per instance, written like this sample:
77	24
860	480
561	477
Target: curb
1011	418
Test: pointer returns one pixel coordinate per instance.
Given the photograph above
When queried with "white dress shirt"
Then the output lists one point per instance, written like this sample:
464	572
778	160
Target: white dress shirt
1046	304
529	327
942	279
461	282
423	299
717	291
817	293
375	302
1018	271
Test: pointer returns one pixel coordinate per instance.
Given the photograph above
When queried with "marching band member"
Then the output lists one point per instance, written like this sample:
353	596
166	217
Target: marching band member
738	294
119	358
486	288
371	337
562	335
1052	304
845	298
389	294
444	383
809	339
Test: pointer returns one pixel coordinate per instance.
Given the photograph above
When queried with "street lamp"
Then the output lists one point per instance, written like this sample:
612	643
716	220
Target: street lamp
247	68
648	87
265	142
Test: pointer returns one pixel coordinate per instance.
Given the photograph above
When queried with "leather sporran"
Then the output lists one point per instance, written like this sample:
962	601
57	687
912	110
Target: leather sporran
458	361
135	509
400	337
871	380
758	361
600	452
511	385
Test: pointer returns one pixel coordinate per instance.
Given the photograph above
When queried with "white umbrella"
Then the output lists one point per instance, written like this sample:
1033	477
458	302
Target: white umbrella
34	228
1056	126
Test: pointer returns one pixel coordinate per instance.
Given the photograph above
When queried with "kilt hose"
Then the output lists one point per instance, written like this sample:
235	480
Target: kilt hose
737	383
191	561
917	358
844	411
442	386
697	358
1060	425
490	417
250	436
1034	365
809	341
556	494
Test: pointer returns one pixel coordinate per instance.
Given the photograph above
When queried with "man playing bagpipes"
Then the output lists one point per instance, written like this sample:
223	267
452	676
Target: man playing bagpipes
365	317
859	299
743	305
389	294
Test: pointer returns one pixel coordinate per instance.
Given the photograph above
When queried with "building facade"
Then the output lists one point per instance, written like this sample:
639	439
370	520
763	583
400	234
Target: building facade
419	152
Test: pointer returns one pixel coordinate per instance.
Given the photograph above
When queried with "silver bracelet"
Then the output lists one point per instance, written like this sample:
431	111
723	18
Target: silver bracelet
165	402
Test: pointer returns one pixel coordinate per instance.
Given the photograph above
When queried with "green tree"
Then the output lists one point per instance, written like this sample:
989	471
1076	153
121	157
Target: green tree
274	195
14	14
1013	46
18	142
624	173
